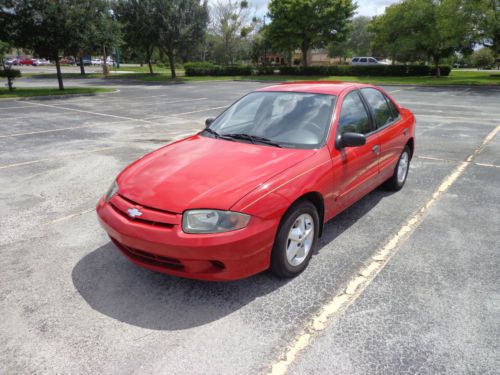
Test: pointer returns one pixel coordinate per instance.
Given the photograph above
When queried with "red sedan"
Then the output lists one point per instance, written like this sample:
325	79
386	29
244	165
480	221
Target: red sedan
253	190
26	62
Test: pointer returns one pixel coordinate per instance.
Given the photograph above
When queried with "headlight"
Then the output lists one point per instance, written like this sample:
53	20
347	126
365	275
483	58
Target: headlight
213	221
113	189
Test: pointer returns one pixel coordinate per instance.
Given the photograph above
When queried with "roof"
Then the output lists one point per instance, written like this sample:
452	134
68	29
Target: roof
316	87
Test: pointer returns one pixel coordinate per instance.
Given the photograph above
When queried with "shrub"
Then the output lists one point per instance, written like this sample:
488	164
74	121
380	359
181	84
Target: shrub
198	68
265	70
483	58
10	74
209	69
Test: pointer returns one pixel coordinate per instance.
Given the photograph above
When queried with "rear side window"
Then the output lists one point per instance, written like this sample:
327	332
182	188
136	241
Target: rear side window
394	109
353	116
356	59
379	107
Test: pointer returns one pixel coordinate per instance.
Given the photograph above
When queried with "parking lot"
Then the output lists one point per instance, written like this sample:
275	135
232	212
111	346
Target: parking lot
71	303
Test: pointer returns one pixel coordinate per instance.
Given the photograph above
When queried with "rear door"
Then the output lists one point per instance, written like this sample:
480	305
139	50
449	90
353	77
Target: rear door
355	168
389	127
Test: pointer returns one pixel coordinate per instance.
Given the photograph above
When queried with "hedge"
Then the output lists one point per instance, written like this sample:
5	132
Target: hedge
366	70
209	69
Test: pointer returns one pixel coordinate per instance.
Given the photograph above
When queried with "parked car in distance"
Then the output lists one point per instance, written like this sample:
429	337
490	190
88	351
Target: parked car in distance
26	61
12	61
86	62
67	61
253	190
38	62
96	62
365	61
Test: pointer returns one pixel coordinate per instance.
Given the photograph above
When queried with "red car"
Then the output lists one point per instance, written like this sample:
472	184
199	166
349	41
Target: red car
26	62
253	190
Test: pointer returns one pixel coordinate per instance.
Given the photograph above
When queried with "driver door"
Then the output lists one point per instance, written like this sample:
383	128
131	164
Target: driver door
355	168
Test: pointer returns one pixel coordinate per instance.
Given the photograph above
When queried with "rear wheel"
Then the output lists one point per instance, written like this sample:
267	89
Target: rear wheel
296	239
398	179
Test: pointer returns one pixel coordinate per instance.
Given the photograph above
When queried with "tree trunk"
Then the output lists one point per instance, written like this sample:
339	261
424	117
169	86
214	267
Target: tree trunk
10	82
171	60
105	69
304	49
59	75
150	67
82	67
436	64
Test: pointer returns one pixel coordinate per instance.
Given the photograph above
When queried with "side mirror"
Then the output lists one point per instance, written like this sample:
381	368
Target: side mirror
208	121
350	140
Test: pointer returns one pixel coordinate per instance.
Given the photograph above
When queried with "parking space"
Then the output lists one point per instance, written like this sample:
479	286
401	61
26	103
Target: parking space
71	303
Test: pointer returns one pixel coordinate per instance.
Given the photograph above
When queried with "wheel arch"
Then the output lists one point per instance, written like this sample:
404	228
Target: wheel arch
411	145
317	200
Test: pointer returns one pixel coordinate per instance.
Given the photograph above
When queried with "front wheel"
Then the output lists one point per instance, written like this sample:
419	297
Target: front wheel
398	179
295	240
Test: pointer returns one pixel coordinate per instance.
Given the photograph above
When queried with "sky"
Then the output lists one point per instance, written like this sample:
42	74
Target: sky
365	7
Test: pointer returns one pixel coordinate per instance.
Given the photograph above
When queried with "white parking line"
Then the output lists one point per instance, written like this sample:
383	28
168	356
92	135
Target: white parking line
70	216
55	130
456	161
57	157
92	113
10	108
367	274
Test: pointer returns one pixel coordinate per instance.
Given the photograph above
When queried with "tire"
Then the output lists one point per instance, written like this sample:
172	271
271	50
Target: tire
300	217
398	179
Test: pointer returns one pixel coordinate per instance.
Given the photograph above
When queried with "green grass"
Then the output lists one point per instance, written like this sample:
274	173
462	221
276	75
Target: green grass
22	92
457	77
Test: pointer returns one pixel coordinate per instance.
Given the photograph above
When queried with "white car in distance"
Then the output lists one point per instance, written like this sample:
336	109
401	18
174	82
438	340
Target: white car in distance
365	61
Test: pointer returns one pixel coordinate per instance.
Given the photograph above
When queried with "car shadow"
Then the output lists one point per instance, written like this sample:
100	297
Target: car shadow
112	285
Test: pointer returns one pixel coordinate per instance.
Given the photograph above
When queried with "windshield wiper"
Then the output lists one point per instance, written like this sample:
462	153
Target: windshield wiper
252	138
213	132
218	135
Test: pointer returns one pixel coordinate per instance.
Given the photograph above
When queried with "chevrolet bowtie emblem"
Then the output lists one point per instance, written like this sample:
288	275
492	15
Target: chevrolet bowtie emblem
134	212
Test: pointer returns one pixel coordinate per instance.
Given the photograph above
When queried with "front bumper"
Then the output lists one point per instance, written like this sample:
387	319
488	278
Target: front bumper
166	248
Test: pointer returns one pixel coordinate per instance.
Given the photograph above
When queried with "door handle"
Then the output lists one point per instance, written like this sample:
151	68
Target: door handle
376	149
405	131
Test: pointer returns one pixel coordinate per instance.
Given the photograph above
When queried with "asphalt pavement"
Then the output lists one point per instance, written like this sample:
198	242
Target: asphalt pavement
71	303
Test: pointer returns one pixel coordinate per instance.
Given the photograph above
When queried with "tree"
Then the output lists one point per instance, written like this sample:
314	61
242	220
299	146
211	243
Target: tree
49	28
231	24
90	15
181	24
358	40
309	23
140	31
46	27
487	14
434	29
483	58
360	37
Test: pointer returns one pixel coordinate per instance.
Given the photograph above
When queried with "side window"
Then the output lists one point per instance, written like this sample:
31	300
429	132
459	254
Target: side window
356	59
394	109
379	107
372	60
363	59
353	116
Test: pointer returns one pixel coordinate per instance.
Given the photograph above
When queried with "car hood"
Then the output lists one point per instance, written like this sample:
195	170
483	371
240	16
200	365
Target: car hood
202	172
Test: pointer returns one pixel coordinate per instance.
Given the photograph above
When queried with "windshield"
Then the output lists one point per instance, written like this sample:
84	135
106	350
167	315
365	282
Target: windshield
282	119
